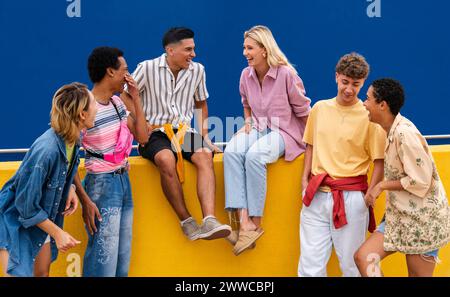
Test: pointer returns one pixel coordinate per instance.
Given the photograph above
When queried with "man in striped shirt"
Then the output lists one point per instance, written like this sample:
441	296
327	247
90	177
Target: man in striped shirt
171	87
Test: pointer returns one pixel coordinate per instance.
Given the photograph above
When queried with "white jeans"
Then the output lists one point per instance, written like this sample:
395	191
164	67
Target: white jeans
318	234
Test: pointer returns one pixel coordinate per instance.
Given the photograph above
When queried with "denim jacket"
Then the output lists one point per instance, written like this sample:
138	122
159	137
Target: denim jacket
38	191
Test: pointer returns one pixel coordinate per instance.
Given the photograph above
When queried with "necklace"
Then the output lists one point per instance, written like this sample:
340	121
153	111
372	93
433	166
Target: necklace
343	114
344	110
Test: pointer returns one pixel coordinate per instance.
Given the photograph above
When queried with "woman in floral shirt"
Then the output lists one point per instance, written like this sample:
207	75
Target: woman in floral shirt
417	219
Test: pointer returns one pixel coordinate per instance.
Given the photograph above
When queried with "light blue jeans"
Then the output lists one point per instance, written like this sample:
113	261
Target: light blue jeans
245	168
108	251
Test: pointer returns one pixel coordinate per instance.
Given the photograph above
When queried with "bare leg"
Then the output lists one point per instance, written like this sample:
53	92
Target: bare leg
206	181
4	261
246	224
43	261
256	221
420	265
171	186
370	254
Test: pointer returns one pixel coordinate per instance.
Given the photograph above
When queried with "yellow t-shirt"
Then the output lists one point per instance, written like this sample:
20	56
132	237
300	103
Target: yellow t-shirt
344	141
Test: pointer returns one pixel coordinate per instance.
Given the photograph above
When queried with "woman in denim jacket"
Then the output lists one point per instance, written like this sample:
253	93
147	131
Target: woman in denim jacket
35	200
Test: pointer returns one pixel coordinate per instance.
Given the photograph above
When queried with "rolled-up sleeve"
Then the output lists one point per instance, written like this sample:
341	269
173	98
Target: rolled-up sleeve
417	164
29	195
301	105
201	93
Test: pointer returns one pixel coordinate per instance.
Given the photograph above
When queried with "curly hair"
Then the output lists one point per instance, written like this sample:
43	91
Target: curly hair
353	65
390	91
101	59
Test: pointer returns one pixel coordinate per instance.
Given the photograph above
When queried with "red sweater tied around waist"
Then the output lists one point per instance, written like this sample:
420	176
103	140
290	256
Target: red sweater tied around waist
357	183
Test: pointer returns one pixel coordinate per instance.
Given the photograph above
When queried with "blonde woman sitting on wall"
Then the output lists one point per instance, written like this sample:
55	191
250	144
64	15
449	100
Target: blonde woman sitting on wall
276	110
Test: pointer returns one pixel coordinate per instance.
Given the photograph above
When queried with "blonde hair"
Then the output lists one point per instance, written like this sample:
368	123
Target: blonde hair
263	36
68	102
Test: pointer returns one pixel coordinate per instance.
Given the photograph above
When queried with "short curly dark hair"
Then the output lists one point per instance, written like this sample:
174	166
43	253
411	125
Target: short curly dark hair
100	59
176	34
353	65
390	91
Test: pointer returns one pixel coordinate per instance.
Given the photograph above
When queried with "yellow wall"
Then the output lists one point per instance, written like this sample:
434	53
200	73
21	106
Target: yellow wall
160	249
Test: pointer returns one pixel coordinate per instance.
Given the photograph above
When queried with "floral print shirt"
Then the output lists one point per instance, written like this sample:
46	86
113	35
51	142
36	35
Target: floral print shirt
417	218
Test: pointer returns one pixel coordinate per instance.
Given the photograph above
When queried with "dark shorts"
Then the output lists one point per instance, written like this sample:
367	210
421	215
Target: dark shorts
159	141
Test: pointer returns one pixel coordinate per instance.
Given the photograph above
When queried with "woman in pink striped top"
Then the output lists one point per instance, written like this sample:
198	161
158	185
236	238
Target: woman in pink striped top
275	109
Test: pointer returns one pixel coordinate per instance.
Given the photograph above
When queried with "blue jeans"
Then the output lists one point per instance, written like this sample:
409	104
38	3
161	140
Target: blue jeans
108	251
433	254
245	168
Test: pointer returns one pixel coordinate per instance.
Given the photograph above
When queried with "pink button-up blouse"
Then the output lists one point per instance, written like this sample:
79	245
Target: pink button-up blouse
279	104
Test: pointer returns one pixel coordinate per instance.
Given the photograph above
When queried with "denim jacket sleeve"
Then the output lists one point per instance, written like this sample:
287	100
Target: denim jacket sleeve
29	194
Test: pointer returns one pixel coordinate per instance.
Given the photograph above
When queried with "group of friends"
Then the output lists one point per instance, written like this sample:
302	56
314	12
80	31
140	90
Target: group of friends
340	138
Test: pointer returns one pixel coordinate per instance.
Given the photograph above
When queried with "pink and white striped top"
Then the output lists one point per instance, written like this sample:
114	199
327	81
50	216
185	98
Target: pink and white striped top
102	138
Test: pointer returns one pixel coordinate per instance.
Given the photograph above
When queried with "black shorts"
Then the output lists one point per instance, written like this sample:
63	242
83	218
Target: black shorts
159	141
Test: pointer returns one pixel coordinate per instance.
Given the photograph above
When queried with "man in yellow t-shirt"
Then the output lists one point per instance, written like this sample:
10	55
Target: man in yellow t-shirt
341	145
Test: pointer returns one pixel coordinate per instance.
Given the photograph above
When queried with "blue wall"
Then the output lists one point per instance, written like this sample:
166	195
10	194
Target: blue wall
42	48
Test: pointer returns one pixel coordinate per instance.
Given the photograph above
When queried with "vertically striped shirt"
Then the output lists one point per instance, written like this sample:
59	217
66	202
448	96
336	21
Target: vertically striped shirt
102	138
164	99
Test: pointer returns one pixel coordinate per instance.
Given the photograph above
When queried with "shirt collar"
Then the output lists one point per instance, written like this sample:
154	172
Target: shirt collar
273	72
397	120
62	144
163	63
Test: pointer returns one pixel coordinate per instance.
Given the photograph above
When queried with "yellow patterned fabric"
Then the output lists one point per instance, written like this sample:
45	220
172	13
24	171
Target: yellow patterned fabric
177	140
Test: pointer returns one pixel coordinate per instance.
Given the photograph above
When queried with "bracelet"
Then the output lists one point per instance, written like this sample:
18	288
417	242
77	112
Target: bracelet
74	187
